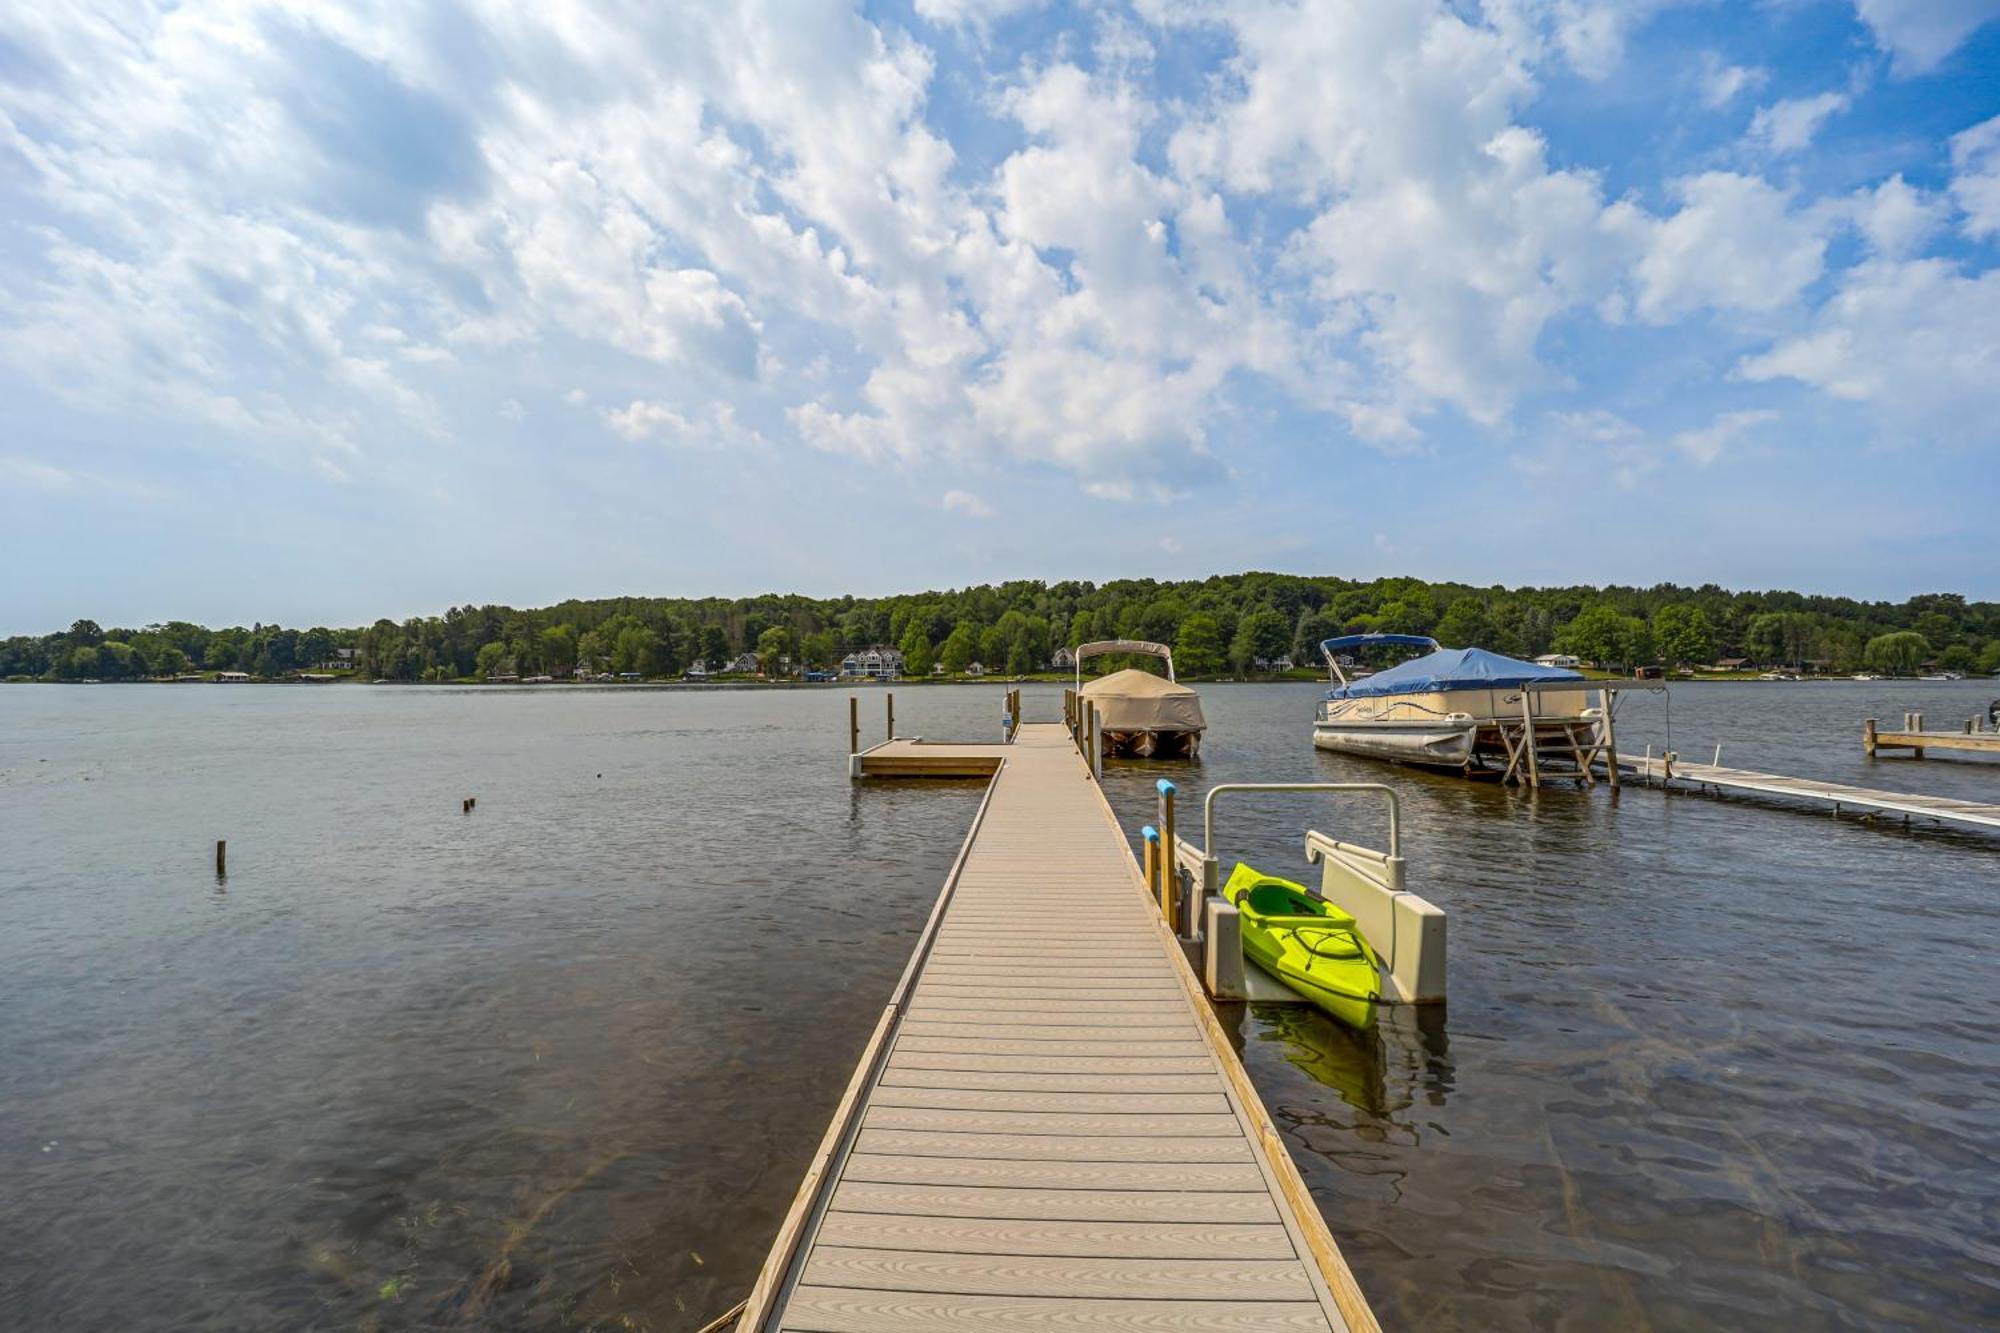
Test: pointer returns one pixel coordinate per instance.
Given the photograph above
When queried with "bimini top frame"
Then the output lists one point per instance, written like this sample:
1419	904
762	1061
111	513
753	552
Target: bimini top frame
1328	647
1103	646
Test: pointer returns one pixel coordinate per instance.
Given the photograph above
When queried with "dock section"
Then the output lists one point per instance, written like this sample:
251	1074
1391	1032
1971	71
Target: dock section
1049	1126
1943	809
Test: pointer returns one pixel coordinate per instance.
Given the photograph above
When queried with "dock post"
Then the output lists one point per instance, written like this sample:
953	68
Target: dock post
1609	698
222	858
1528	719
1151	837
889	700
1868	737
853	724
1917	726
1170	869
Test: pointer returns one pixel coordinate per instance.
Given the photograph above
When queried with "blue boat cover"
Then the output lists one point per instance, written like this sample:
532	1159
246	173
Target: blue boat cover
1451	669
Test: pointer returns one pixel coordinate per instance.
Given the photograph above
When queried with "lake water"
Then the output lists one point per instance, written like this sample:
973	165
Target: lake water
560	1062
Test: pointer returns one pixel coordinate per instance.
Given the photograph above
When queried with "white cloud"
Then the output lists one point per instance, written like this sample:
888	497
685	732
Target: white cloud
966	503
1587	444
1920	34
1733	244
30	474
1722	83
1709	443
1975	183
510	409
1917	341
1353	218
1897	218
1790	126
646	420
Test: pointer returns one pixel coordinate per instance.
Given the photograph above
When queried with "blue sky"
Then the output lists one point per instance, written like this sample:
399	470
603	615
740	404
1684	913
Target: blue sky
314	312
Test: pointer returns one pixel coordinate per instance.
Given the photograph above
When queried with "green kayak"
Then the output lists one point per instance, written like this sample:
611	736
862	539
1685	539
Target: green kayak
1309	944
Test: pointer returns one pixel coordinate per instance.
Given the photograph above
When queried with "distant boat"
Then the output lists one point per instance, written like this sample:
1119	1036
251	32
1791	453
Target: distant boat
1944	675
1438	709
1863	675
1138	713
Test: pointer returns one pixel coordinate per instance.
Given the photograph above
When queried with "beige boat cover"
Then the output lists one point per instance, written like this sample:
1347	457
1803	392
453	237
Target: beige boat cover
1134	700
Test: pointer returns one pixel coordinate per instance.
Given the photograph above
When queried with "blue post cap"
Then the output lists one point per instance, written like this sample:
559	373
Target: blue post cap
1166	788
1149	833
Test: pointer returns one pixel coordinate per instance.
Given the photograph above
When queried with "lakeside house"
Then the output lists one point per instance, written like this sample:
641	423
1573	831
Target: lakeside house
1560	661
743	664
877	663
1062	660
342	659
1727	664
1283	662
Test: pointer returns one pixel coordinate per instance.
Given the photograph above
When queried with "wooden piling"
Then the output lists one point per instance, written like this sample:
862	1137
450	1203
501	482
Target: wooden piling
222	858
1868	737
853	724
889	701
1609	698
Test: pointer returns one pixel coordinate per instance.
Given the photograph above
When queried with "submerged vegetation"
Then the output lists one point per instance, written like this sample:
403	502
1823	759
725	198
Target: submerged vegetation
1227	624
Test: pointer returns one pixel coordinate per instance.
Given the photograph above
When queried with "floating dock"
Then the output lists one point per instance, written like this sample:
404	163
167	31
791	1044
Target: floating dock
1048	1126
1942	809
1976	737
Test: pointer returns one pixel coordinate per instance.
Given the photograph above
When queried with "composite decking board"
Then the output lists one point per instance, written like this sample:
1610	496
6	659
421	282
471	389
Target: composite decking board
987	1080
1113	1240
1000	1204
1072	1149
1159	1050
845	1310
1125	1123
1053	1102
1180	1177
1064	1275
1016	1031
1048	1135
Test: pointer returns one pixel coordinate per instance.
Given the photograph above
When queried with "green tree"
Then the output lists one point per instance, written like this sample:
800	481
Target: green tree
638	648
774	646
1264	633
492	660
1682	633
714	647
1199	648
558	645
916	647
1958	657
1989	658
1603	636
1465	625
820	649
1781	637
1898	653
957	650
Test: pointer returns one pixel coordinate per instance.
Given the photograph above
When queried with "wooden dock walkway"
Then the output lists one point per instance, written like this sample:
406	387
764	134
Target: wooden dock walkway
1049	1126
1943	809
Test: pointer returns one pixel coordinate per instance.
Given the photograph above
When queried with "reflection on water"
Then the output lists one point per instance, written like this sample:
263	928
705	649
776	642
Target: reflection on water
1400	1061
559	1063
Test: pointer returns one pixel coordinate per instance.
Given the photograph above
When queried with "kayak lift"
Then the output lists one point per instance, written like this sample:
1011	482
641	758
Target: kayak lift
1405	932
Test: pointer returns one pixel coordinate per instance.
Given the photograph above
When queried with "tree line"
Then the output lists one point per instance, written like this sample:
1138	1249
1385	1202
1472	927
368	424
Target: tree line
1226	624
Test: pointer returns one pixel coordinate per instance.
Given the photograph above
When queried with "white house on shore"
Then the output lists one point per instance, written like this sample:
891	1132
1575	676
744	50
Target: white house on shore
878	663
1561	661
1062	660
